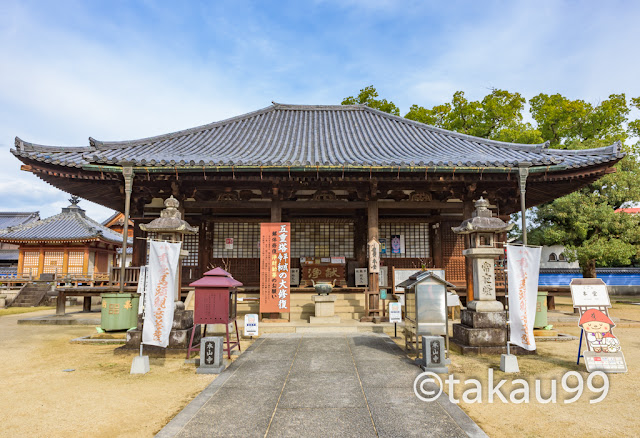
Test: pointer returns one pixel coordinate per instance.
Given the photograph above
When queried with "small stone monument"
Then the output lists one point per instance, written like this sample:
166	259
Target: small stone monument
483	328
433	354
211	355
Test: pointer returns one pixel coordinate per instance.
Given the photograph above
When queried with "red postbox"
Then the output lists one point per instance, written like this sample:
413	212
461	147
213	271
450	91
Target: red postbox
215	303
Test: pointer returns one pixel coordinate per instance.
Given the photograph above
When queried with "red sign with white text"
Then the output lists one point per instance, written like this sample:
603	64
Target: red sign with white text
275	267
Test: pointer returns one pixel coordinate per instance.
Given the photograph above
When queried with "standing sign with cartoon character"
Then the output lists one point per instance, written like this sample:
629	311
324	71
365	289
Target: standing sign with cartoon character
591	298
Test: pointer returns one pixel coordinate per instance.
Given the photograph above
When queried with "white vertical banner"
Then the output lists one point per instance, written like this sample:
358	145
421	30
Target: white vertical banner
523	264
162	274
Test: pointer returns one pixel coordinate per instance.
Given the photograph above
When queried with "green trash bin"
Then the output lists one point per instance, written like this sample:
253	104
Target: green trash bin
541	310
119	311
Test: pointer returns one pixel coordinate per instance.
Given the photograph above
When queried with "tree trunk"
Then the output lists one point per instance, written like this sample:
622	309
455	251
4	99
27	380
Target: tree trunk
589	270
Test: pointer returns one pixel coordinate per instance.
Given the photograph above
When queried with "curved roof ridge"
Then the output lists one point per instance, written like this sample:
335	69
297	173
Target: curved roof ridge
24	146
98	144
613	148
302	107
537	147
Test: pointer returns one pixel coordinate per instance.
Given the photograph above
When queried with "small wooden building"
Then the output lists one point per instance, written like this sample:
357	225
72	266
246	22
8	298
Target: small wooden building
340	174
70	245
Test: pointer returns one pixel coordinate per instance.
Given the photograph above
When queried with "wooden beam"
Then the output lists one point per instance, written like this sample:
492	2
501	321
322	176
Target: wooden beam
373	298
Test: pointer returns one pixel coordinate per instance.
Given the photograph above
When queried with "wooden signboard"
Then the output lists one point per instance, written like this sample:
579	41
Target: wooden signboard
604	353
323	273
275	285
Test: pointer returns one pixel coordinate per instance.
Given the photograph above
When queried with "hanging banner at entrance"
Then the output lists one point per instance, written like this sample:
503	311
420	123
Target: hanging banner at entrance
275	267
523	264
162	275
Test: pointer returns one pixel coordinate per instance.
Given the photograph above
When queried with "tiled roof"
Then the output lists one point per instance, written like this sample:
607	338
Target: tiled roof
11	219
631	210
315	135
7	255
70	225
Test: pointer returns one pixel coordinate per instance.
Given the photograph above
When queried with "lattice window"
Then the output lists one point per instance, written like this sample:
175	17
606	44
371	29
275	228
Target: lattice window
245	235
75	262
31	262
190	243
416	239
53	262
322	239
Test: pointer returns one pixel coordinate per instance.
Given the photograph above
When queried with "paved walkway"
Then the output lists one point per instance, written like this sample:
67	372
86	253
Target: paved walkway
293	385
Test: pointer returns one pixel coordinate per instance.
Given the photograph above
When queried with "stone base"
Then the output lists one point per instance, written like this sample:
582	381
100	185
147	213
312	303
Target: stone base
486	306
140	365
509	363
494	350
324	319
483	319
325	304
210	370
178	341
479	337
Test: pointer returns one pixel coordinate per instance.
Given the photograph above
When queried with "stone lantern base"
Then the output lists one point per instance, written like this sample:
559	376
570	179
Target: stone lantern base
482	333
178	337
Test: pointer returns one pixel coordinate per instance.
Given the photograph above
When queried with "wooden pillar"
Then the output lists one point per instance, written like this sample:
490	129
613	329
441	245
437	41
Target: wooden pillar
276	211
359	245
20	262
467	211
438	261
204	247
41	262
373	302
65	261
139	255
85	262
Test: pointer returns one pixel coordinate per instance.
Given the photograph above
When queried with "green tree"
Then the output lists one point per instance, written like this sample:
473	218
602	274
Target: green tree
498	116
367	96
584	221
591	231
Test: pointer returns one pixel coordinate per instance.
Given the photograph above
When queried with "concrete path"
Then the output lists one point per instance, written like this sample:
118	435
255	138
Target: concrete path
343	385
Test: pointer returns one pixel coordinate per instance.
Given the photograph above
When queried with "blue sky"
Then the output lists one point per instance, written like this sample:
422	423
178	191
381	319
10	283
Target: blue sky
118	70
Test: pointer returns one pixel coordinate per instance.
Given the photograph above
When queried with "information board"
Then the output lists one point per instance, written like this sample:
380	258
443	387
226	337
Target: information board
395	312
251	324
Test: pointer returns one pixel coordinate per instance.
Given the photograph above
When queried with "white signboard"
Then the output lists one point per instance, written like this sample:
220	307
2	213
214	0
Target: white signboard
589	295
374	256
362	277
295	276
251	324
228	243
402	274
383	277
395	312
524	268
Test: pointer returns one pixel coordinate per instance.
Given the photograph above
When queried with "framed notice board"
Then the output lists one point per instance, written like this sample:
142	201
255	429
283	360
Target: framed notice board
401	274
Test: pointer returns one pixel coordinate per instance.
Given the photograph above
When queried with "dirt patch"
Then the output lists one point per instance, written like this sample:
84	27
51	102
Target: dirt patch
99	398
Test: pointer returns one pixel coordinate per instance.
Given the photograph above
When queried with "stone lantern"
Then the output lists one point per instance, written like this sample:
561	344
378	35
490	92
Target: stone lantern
483	327
171	227
483	229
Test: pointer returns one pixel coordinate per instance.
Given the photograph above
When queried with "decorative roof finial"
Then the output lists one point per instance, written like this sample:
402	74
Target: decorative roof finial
75	200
